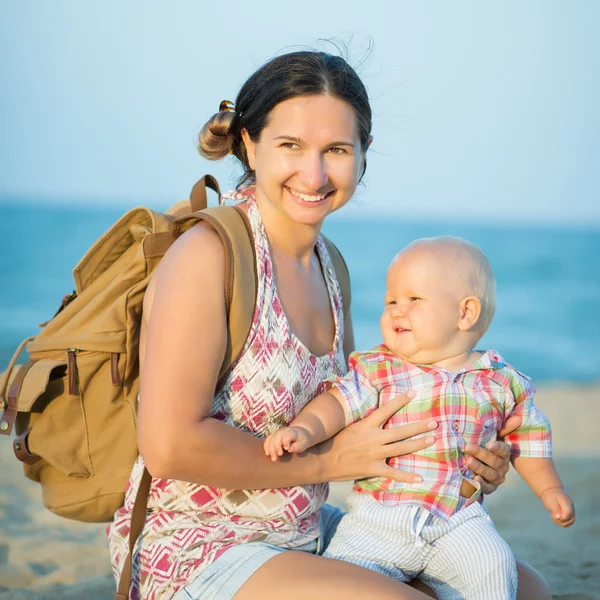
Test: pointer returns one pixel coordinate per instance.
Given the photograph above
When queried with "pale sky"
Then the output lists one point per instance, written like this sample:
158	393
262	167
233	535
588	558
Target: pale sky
482	110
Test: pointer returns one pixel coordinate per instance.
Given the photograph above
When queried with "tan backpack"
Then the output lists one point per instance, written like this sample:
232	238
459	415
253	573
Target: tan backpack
73	403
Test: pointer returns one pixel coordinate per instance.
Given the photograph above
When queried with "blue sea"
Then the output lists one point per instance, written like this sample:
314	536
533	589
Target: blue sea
547	322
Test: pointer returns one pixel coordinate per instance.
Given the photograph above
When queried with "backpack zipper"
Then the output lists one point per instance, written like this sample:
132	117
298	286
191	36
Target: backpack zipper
114	368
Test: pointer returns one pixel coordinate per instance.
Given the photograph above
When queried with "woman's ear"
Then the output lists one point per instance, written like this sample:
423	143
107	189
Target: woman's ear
363	159
470	311
250	149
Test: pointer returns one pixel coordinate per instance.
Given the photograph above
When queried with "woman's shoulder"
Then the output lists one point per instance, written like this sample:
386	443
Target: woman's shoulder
199	244
195	262
198	250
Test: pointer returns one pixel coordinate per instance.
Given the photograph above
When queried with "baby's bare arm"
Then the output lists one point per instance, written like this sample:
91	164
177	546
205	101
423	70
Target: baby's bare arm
320	420
539	473
322	417
543	479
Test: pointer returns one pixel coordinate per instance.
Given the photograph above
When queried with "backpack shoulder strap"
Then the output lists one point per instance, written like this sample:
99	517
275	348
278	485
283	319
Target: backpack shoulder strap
233	227
343	276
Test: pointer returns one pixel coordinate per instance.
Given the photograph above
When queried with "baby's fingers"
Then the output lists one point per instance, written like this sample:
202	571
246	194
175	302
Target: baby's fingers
298	446
288	437
272	447
563	519
565	515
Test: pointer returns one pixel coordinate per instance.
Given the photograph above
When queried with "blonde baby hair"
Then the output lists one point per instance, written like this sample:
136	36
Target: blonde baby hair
470	266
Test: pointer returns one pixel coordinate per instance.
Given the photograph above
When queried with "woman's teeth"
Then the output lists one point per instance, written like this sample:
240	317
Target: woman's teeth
307	197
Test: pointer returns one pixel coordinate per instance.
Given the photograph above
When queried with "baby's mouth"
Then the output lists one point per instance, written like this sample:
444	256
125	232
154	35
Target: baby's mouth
400	330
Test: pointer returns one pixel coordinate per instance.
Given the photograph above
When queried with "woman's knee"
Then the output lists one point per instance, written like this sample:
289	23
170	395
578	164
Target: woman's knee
532	586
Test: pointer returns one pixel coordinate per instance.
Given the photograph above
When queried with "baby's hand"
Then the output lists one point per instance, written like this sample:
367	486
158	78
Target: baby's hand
560	506
292	439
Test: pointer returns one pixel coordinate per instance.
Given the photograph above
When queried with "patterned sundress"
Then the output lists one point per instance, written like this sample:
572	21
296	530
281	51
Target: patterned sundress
188	526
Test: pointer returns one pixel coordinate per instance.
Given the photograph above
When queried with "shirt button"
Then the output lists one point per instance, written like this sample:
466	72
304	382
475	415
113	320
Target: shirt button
455	425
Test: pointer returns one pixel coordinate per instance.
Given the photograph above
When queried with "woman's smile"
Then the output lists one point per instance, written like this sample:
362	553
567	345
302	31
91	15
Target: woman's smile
308	197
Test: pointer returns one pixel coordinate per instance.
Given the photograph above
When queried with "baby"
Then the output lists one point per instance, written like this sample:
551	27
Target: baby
439	302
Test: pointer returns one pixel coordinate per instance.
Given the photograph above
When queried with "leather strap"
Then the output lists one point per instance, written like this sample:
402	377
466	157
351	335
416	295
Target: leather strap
10	400
138	518
21	449
20	444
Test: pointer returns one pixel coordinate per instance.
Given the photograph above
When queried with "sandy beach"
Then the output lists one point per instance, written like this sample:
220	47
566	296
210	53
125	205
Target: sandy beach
45	557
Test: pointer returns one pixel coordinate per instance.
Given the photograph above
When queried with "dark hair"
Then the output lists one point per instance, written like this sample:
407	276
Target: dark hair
304	73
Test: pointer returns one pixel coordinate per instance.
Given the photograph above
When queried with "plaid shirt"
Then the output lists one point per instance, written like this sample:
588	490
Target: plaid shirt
470	406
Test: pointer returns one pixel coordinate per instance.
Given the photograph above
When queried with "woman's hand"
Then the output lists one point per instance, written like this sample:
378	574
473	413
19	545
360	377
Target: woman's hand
491	464
362	449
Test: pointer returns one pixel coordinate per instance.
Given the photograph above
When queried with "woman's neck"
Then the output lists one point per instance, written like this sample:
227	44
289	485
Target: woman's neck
288	237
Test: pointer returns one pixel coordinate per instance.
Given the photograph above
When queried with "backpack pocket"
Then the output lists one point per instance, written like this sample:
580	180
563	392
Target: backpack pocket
55	419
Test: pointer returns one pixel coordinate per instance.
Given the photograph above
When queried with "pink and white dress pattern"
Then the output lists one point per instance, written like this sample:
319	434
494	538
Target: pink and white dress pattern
188	526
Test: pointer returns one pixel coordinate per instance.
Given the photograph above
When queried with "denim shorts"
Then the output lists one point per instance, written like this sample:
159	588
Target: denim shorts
223	578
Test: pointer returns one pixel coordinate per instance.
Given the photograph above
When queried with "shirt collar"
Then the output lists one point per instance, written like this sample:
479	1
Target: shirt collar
490	359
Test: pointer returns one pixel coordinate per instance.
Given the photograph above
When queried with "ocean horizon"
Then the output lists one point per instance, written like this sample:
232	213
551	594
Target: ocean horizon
548	278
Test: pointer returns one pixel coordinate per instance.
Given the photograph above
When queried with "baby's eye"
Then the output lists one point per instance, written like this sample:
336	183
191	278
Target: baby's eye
390	303
414	298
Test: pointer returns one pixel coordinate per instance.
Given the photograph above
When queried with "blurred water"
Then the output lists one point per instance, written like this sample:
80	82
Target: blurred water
547	322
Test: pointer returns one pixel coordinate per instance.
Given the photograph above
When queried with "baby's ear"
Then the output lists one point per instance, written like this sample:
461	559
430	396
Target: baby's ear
470	311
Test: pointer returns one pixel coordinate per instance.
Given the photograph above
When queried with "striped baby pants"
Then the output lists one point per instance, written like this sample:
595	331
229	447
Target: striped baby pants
462	558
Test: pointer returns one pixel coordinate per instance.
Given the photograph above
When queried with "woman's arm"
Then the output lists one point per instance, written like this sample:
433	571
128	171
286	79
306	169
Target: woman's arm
185	344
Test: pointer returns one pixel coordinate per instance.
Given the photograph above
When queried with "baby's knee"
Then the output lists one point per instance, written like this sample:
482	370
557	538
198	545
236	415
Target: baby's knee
494	572
503	556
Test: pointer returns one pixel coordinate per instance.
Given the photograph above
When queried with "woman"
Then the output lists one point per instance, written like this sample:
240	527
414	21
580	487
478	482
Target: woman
223	520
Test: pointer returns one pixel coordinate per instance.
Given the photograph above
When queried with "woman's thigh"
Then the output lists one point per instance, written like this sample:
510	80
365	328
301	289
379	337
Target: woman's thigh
298	575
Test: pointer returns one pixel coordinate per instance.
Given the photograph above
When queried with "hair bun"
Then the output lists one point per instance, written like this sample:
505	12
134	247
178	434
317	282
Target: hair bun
215	139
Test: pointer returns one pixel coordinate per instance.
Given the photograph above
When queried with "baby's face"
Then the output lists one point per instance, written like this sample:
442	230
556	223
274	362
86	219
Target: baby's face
422	309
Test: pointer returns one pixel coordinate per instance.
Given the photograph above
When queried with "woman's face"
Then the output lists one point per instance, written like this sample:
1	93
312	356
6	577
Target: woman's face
309	159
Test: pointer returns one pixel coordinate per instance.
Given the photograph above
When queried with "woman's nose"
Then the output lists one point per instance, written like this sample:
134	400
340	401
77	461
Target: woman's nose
313	172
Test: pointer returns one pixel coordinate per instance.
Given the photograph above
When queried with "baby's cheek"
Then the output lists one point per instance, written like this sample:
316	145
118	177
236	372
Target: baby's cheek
386	335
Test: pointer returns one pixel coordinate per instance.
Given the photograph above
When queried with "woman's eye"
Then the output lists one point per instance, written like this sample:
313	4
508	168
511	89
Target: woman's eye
337	150
289	145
